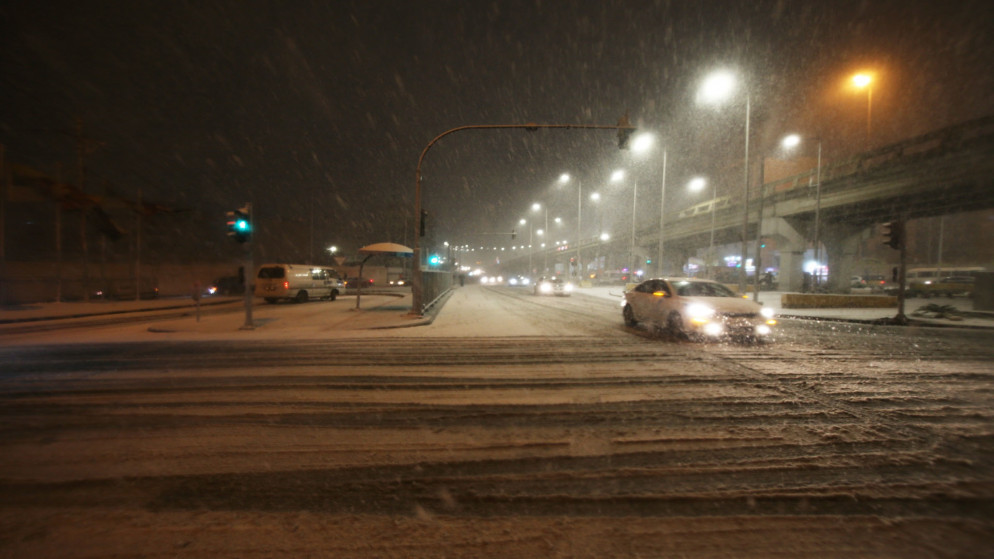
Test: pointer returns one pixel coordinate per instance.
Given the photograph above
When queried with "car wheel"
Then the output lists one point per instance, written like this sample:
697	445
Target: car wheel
629	316
301	297
271	300
674	324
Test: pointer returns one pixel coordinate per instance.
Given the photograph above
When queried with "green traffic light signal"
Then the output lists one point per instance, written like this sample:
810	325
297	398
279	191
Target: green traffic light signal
240	224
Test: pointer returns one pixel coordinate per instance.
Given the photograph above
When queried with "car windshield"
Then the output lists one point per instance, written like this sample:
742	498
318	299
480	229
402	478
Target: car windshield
703	289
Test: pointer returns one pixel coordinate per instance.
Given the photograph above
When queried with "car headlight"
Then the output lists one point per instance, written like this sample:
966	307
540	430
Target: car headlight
568	287
699	312
767	312
545	287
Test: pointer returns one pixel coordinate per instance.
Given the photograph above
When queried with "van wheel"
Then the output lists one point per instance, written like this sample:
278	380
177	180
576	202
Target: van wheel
301	297
334	295
271	300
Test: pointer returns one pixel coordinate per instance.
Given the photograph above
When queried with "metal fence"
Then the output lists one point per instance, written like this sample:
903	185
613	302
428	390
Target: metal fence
434	285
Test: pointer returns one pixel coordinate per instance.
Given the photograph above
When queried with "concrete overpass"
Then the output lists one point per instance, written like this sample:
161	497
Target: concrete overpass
946	171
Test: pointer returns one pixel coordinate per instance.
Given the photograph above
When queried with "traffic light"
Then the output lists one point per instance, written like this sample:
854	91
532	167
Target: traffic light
625	130
240	224
894	234
434	260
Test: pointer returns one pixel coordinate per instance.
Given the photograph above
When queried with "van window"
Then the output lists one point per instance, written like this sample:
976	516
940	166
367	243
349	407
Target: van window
272	272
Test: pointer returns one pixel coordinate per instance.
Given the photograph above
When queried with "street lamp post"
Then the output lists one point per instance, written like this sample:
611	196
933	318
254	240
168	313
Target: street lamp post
545	235
862	80
595	197
564	178
697	184
662	207
715	89
618	176
530	230
792	141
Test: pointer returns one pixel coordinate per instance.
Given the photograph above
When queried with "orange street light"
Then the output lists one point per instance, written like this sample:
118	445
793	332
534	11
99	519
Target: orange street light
864	80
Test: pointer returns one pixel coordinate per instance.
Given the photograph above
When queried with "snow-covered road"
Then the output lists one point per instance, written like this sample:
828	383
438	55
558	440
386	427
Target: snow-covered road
520	426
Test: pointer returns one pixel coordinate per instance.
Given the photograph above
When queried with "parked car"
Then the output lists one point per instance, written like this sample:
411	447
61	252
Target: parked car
697	308
553	285
297	282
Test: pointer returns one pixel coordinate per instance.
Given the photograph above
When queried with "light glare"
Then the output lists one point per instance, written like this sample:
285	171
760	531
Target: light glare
717	87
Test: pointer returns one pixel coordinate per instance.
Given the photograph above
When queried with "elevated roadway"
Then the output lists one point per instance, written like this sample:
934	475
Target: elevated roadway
945	171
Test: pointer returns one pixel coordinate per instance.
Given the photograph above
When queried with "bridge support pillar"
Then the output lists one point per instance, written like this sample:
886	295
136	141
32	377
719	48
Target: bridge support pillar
841	246
792	245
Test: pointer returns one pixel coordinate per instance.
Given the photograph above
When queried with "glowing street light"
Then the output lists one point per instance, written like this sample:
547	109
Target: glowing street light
642	143
861	81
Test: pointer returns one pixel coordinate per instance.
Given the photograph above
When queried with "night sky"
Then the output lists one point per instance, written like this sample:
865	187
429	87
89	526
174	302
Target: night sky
318	111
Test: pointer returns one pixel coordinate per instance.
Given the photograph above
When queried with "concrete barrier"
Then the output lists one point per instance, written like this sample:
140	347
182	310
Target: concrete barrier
829	301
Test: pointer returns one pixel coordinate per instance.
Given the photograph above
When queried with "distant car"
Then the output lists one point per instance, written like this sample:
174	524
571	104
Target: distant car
518	281
553	285
353	283
878	283
228	285
696	308
399	282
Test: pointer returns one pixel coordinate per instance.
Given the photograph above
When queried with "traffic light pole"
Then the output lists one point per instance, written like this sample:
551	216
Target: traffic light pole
249	273
897	238
623	127
901	318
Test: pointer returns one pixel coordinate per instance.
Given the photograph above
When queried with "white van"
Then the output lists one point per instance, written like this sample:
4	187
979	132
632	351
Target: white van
297	282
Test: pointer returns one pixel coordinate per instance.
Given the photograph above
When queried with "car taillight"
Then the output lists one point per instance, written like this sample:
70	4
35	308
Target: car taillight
286	285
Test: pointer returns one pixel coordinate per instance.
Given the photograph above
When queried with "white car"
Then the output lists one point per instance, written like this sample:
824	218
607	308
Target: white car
553	286
696	307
